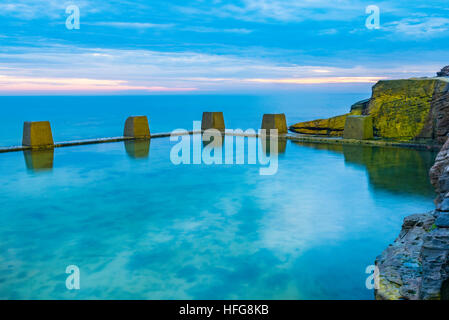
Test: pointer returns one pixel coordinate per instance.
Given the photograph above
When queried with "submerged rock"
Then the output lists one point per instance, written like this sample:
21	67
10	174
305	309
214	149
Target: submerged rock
412	109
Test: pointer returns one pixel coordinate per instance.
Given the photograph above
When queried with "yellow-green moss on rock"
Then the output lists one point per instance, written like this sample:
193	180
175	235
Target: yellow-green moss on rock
401	108
411	109
331	127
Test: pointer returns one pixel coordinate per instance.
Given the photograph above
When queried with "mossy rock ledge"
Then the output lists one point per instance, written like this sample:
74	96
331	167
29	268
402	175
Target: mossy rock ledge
414	109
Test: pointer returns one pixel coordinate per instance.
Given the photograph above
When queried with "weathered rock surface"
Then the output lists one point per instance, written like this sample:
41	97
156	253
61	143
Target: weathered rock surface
435	265
360	106
412	109
444	72
439	177
416	266
330	127
400	265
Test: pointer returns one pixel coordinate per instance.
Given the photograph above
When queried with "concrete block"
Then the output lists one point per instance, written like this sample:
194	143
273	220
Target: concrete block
137	127
213	120
39	160
37	135
358	127
274	121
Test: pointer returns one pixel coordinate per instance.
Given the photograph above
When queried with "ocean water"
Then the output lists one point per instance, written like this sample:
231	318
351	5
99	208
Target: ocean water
86	117
140	227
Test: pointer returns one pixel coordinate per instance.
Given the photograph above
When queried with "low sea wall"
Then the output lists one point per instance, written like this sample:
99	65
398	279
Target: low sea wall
280	125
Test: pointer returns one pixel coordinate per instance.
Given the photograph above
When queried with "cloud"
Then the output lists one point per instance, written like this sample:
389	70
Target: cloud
218	45
217	30
424	27
74	68
146	25
328	32
33	9
13	83
280	10
322	80
132	25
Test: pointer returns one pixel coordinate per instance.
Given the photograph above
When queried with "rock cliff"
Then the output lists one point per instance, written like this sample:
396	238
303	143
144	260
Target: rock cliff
416	265
408	110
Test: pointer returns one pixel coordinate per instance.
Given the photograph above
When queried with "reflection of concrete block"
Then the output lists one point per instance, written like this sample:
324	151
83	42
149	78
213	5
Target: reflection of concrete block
274	121
137	127
266	145
37	134
358	127
213	120
138	148
212	140
39	160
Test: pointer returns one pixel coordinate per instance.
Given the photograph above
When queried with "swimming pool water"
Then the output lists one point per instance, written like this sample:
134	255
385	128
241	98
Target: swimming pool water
140	227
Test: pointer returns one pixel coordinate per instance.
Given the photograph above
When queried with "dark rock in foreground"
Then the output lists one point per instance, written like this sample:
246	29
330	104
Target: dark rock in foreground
400	265
416	265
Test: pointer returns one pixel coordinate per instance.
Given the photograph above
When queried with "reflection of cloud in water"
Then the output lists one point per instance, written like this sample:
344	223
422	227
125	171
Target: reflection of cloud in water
301	210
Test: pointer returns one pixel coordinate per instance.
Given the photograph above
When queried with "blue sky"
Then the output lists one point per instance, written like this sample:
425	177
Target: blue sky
217	46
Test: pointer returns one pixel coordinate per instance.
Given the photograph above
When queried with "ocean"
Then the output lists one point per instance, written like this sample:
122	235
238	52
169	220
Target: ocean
85	117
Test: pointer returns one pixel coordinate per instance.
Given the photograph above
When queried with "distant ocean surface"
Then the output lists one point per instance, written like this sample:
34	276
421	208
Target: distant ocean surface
85	117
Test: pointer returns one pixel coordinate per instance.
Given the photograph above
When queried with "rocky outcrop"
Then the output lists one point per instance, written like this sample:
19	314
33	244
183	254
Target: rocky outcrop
412	109
400	265
439	178
444	72
360	106
329	127
416	265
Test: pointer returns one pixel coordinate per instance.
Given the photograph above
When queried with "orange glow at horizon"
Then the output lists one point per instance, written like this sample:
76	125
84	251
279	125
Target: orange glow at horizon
323	80
23	84
11	83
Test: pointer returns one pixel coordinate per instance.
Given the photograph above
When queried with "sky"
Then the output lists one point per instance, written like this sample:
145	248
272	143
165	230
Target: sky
185	46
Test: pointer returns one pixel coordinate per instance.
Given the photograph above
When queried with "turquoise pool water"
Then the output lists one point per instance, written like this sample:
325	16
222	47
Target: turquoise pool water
139	227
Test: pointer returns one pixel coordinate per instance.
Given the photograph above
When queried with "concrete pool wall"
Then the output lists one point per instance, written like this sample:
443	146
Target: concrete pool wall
137	128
